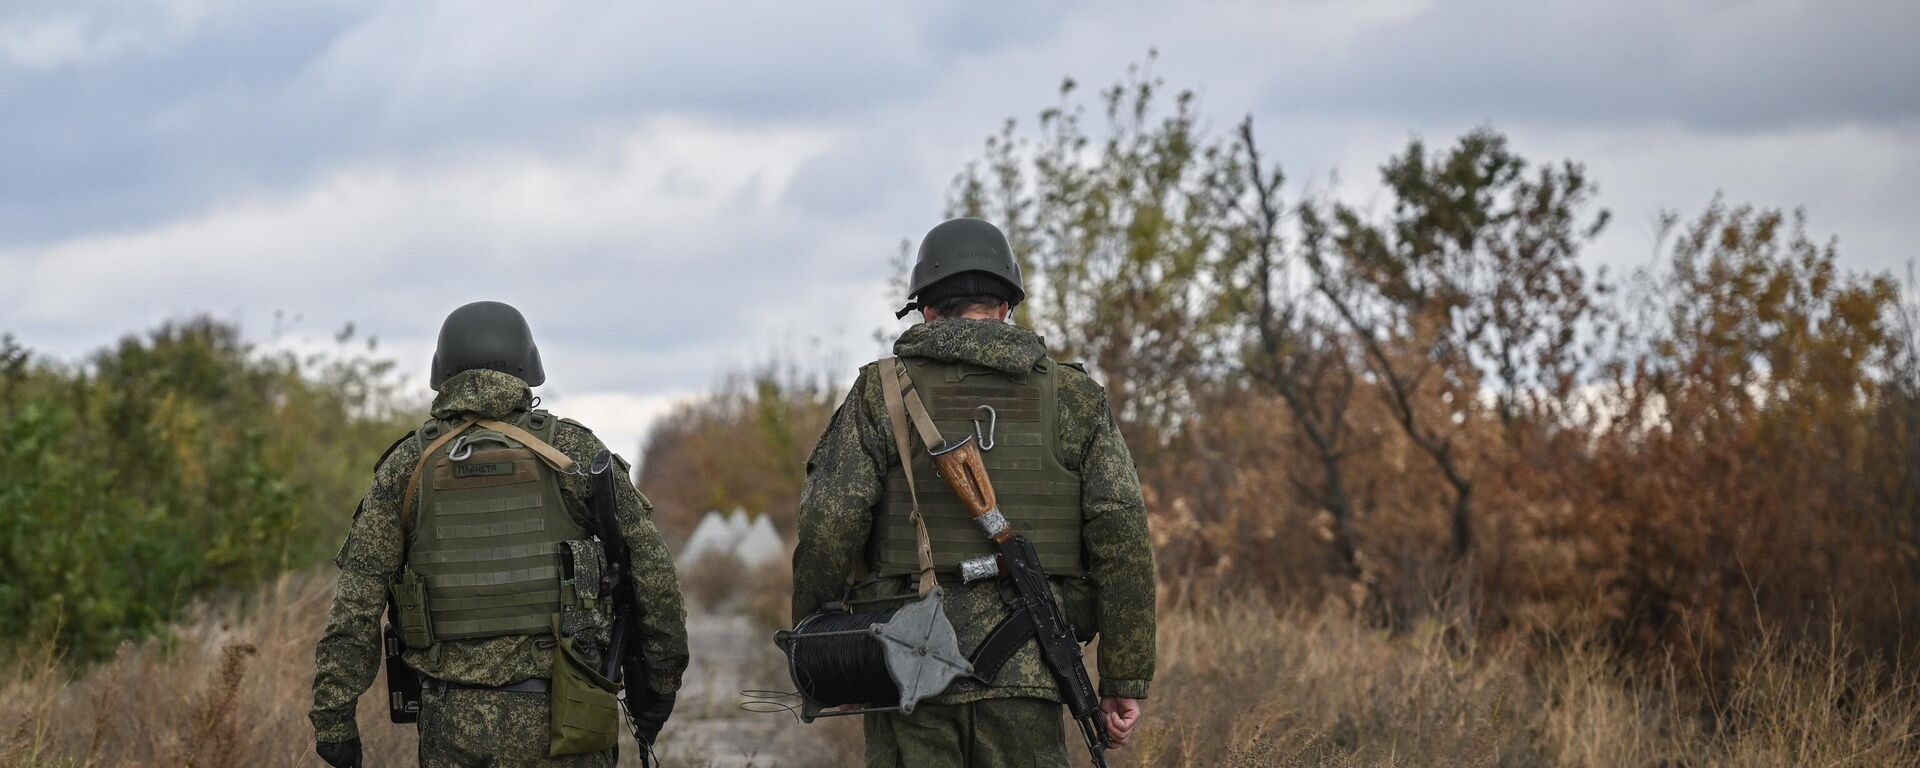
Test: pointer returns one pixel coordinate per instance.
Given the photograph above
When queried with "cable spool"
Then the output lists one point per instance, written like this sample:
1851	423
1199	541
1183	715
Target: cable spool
841	661
881	661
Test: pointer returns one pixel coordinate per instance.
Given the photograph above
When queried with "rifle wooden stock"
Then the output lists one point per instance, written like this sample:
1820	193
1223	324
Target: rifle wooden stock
965	470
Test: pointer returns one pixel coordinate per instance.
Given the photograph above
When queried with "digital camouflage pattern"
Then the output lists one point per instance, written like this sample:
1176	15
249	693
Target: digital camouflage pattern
465	728
1002	733
349	655
844	486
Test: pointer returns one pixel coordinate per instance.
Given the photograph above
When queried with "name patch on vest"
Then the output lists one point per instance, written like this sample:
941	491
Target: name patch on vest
481	470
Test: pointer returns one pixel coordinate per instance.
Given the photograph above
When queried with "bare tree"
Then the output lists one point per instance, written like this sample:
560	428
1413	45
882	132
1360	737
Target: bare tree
1294	353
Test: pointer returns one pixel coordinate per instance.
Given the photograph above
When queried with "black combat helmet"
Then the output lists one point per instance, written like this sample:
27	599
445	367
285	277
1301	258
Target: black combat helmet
490	335
964	257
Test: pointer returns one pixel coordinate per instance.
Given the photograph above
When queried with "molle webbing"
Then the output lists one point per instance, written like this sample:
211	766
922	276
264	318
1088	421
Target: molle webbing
442	433
490	528
1036	491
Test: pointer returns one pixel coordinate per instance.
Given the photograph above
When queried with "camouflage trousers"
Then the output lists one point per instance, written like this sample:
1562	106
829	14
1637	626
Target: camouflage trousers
467	728
1010	733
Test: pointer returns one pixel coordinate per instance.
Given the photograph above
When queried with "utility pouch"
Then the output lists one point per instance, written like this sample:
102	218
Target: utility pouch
403	683
585	705
409	592
585	565
1078	603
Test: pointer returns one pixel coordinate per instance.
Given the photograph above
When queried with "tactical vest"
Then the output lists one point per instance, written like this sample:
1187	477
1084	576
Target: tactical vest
1037	492
490	535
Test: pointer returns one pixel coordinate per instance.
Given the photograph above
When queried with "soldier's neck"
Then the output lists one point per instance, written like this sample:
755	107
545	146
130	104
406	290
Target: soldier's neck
971	314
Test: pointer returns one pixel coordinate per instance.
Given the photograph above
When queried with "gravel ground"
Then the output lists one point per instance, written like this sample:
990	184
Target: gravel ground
709	729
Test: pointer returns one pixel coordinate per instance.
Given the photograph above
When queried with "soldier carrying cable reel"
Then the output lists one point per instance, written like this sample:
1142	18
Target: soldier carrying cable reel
1020	604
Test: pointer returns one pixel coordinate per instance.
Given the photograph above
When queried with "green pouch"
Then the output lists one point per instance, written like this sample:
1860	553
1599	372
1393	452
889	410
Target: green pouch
409	593
586	563
1076	595
586	707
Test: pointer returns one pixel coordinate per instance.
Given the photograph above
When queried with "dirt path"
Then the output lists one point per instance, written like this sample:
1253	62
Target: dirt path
731	654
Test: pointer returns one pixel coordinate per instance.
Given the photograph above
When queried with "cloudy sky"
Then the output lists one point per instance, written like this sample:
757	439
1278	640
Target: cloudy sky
673	190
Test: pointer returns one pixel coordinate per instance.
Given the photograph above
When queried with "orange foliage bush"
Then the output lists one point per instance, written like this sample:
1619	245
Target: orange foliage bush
744	445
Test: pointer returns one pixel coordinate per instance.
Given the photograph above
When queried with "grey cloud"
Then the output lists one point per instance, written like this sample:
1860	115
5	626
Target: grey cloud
138	137
1720	66
863	170
267	97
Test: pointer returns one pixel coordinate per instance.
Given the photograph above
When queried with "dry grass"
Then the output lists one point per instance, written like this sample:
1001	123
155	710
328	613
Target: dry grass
1241	684
231	688
1245	685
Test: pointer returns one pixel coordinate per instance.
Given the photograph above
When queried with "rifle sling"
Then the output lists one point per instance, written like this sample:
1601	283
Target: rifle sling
1001	644
922	421
891	376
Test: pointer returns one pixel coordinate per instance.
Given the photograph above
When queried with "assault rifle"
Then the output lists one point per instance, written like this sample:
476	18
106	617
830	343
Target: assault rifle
623	661
1033	610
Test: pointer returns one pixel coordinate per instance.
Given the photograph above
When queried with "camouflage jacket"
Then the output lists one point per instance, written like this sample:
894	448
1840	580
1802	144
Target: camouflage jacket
848	469
349	654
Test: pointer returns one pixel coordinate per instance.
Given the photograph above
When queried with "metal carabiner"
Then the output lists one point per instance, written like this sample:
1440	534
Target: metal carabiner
461	450
993	422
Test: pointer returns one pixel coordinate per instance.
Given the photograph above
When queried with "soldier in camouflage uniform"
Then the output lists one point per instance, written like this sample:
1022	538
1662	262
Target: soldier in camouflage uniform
485	699
853	507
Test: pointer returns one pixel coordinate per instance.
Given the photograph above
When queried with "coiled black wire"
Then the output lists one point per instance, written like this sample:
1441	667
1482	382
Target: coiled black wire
850	669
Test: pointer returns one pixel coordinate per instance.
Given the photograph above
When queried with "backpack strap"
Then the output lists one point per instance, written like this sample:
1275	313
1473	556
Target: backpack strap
891	375
413	481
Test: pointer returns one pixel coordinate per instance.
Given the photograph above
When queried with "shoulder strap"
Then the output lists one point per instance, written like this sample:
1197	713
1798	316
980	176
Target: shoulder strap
560	462
917	409
413	481
891	374
396	446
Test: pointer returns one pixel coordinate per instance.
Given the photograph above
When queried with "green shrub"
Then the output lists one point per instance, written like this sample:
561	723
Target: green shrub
170	466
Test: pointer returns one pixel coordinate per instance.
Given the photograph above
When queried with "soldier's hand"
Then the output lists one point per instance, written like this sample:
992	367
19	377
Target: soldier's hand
653	716
340	754
1121	715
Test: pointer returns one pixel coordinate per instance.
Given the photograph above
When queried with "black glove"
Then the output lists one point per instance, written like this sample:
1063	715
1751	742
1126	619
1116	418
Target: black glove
340	754
651	716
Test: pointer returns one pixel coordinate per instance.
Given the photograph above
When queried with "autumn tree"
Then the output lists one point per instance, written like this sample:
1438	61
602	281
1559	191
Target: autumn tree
1761	446
1117	230
743	445
1471	283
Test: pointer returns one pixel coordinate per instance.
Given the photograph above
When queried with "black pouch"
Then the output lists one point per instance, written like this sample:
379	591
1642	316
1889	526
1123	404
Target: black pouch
403	683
